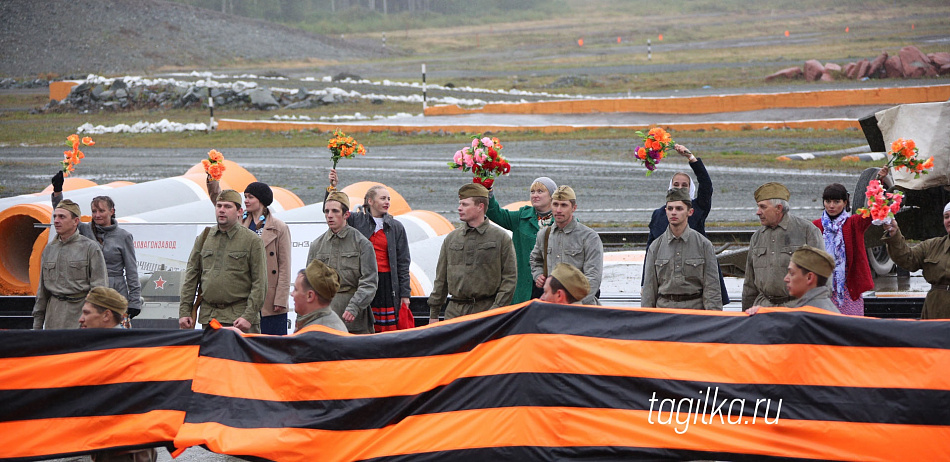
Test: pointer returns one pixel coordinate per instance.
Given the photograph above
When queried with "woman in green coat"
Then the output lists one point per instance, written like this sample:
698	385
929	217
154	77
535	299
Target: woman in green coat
524	225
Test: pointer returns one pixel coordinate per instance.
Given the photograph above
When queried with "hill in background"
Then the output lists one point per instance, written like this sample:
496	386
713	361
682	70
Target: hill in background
112	36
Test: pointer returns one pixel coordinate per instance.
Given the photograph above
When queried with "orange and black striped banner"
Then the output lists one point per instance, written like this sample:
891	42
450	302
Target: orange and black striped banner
530	382
550	382
71	392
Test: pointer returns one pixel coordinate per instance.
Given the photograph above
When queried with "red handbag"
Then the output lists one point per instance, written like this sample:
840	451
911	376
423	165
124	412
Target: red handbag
405	320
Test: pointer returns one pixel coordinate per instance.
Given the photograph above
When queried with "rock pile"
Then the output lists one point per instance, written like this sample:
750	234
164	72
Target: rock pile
909	63
121	96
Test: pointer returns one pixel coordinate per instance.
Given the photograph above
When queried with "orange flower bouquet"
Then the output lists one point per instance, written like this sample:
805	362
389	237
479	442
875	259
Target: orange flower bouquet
483	158
656	144
73	157
903	155
881	205
214	165
342	146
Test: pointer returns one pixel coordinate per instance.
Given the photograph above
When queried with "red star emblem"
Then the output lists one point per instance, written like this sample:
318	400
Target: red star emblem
160	283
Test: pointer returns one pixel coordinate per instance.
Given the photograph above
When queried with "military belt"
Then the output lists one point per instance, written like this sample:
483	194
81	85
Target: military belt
469	301
940	287
72	298
681	297
221	306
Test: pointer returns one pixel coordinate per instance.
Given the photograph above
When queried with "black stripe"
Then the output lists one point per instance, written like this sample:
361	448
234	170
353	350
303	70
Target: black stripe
846	404
543	318
589	453
21	344
97	400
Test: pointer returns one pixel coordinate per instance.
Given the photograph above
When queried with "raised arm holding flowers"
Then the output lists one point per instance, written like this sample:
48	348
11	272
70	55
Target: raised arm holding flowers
342	145
483	158
75	156
656	145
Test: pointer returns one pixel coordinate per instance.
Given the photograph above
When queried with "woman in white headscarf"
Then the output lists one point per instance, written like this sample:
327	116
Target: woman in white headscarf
700	191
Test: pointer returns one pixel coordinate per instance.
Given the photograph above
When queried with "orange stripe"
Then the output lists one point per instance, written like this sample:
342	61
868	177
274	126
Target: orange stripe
712	104
824	124
568	427
31	438
99	367
812	365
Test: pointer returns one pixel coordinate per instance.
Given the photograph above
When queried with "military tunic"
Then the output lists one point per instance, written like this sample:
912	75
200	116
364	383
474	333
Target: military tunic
477	267
118	251
352	256
933	257
770	250
233	277
70	269
575	245
680	267
324	317
819	297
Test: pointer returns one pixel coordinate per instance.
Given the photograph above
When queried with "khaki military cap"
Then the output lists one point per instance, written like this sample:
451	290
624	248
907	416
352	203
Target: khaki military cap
230	195
572	279
108	298
771	191
340	197
563	193
323	279
679	194
70	206
815	260
473	190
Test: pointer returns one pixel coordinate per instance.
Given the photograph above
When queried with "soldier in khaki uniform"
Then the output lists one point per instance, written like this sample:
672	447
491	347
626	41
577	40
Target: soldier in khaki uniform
772	246
351	255
807	279
228	262
570	242
313	290
72	265
476	265
933	257
681	266
566	285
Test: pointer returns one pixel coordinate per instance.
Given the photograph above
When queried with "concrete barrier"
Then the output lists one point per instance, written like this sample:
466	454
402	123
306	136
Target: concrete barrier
713	104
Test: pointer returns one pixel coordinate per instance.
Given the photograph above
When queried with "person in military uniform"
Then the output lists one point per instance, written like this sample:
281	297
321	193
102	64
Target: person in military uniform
72	265
807	279
681	266
227	261
105	308
314	288
351	255
476	265
772	246
568	241
566	285
933	257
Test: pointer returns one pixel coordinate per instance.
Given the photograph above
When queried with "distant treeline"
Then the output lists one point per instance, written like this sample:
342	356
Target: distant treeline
292	11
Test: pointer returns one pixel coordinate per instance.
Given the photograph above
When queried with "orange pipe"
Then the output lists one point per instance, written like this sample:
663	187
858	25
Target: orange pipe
439	224
357	191
285	198
17	252
69	184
